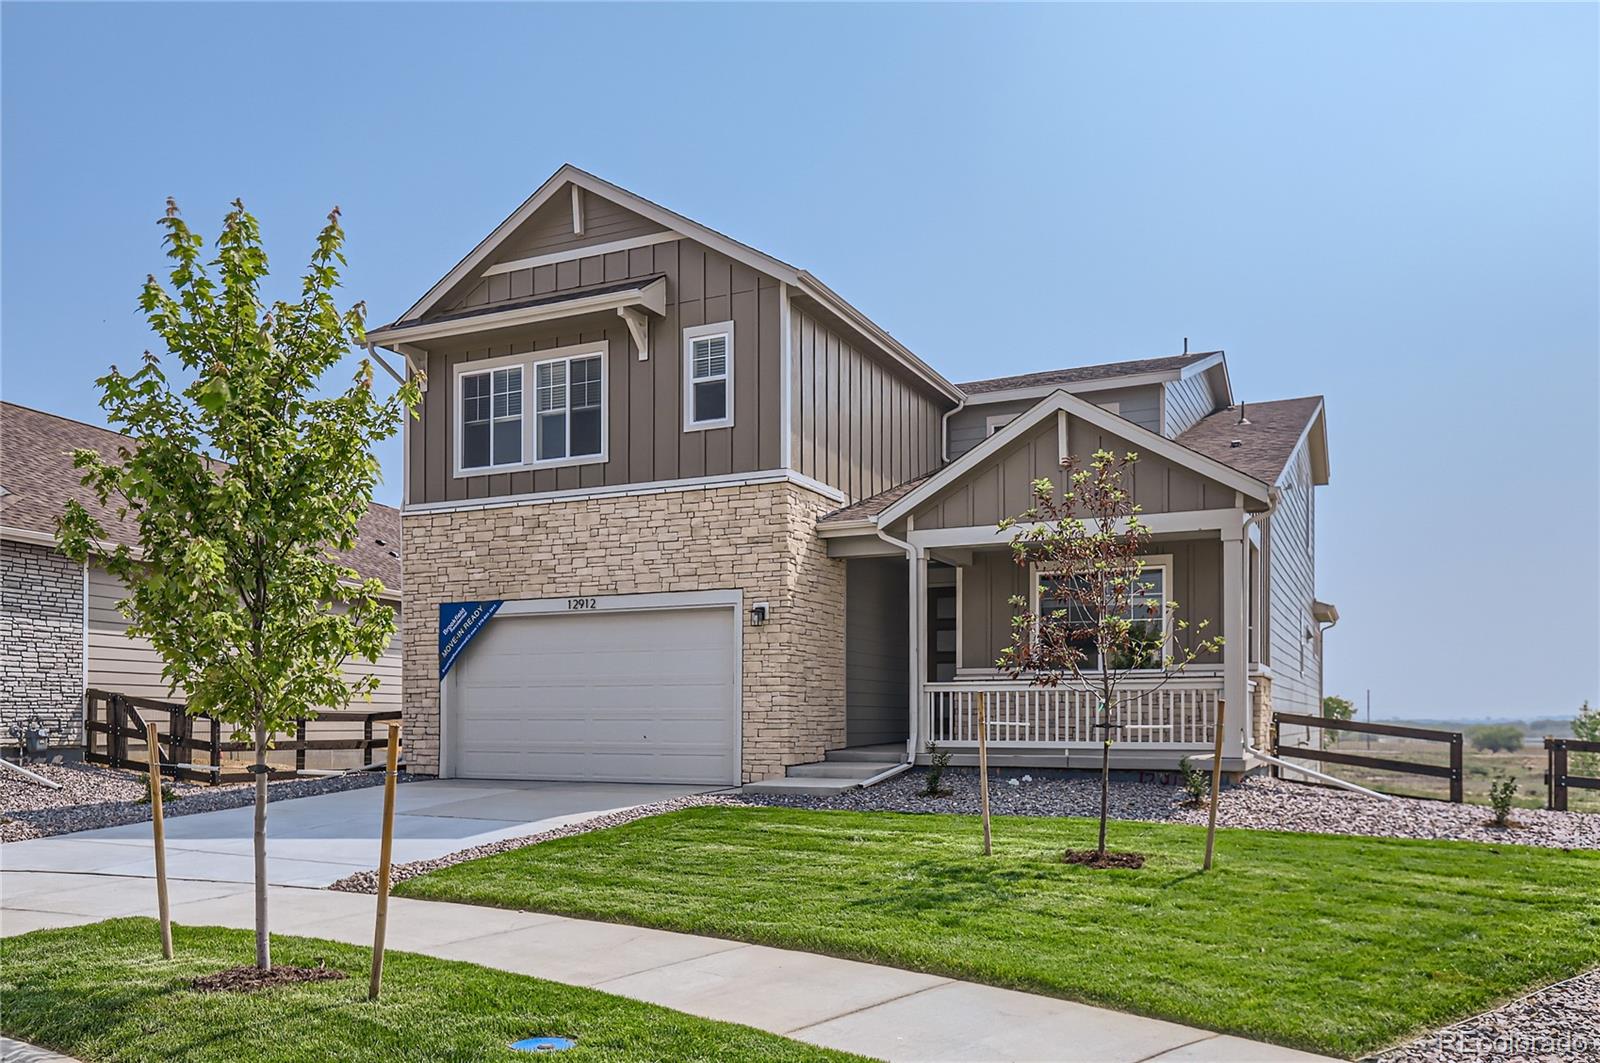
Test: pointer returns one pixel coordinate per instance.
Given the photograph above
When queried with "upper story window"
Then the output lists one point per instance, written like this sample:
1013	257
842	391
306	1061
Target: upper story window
496	428
708	376
996	421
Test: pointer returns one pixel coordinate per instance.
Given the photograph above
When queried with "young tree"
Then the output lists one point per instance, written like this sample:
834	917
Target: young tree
1101	620
1586	728
1336	708
241	480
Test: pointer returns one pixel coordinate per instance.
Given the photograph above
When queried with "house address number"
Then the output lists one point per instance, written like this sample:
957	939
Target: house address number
582	603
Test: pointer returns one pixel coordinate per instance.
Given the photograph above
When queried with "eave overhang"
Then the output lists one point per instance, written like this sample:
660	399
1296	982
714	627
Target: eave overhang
649	294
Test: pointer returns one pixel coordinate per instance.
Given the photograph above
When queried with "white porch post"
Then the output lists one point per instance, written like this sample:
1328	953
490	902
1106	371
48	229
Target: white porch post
1235	651
917	579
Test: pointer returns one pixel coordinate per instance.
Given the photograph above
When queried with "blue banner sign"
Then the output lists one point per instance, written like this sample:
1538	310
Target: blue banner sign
458	623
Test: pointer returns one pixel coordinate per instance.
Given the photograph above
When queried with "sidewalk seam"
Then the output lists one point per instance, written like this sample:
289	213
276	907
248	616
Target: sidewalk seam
868	1007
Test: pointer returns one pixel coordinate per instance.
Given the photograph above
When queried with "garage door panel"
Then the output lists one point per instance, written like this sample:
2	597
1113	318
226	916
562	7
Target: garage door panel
609	696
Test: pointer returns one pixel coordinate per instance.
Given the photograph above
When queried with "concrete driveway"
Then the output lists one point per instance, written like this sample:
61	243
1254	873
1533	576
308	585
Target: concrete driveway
314	841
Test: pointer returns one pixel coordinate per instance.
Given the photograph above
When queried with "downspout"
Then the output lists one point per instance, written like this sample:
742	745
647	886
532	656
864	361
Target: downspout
1250	750
944	439
913	652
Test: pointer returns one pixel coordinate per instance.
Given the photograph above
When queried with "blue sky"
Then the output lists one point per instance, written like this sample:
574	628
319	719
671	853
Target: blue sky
1393	206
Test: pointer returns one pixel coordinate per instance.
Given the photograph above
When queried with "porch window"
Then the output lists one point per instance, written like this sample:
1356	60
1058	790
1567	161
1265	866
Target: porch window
491	418
569	395
1145	607
708	376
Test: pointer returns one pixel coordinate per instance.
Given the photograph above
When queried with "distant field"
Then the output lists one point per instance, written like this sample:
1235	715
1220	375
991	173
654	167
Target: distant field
1526	765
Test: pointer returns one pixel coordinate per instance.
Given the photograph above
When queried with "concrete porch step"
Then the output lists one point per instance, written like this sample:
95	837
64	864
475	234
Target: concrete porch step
811	786
854	769
886	754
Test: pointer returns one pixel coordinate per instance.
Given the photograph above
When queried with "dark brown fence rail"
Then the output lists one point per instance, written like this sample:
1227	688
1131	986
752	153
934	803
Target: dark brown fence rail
1451	772
1556	776
193	748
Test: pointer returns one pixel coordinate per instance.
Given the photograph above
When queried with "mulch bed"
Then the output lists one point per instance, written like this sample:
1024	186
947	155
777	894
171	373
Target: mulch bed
1092	858
252	979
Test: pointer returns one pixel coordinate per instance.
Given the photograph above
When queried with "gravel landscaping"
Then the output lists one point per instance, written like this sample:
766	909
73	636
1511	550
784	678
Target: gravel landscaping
1558	1024
1259	803
93	797
367	881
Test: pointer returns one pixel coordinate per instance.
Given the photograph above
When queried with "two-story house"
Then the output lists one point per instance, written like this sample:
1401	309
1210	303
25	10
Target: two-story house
675	511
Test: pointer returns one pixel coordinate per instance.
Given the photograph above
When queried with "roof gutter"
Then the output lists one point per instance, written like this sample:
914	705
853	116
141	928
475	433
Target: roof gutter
944	428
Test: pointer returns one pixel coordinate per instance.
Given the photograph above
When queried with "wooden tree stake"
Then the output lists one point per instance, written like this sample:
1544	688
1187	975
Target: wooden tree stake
1216	782
983	772
153	744
386	851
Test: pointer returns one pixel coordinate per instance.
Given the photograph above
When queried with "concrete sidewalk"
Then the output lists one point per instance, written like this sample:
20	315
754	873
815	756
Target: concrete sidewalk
857	1007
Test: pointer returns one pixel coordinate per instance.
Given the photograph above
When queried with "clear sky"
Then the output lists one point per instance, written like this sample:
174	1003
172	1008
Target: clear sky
1392	206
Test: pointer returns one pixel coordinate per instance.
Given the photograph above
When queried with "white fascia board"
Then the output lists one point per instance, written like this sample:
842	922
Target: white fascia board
1316	430
651	296
1202	520
845	528
1075	388
1059	400
1196	368
811	286
651	487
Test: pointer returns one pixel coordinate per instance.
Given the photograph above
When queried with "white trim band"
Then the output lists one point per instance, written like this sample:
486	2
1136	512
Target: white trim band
656	487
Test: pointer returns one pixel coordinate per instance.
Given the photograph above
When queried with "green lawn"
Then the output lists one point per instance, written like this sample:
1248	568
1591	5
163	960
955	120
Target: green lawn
103	992
1335	944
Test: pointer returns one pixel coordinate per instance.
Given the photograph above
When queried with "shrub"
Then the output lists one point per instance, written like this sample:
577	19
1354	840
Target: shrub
1500	796
1499	738
939	759
1196	783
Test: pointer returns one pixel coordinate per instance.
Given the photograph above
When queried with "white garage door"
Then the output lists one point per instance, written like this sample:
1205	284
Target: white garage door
635	696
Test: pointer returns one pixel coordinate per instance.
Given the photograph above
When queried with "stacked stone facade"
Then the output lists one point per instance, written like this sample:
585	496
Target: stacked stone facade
758	538
41	640
1261	712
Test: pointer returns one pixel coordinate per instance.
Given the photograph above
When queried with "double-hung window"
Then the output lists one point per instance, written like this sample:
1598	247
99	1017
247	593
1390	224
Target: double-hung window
491	418
708	376
562	421
569	397
1063	599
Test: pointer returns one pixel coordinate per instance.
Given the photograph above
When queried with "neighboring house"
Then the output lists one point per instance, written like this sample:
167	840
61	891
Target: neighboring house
731	524
60	631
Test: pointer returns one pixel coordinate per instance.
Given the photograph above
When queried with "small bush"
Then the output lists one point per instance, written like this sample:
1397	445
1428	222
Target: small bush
939	759
1500	796
1196	783
1499	738
168	794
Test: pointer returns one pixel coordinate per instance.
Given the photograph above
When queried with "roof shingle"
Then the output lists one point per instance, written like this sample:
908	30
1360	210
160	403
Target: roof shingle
37	478
1084	373
1266	440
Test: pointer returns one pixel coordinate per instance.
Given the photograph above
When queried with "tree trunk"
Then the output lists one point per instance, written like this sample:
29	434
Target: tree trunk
1105	781
263	943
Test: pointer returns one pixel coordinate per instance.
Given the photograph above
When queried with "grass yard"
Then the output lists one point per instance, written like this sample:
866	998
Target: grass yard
103	992
1335	944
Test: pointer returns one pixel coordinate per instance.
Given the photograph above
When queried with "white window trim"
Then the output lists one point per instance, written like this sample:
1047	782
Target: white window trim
528	361
1161	561
700	332
996	421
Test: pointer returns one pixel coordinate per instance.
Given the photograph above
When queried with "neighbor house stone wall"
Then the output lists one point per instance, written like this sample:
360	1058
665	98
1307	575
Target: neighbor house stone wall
760	539
41	640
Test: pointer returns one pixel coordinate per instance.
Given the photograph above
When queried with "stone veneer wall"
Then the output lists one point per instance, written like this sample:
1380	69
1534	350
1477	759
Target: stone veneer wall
1261	713
759	538
41	640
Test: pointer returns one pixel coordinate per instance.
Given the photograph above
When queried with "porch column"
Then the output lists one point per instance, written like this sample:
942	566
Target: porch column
917	582
1235	651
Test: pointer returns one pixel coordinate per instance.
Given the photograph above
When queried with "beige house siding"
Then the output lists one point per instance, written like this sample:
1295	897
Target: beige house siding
1001	486
645	437
760	539
124	664
993	578
859	424
1188	401
1289	559
969	425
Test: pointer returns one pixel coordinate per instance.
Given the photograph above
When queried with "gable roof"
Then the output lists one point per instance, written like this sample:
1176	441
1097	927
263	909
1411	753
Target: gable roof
1084	373
804	282
1066	402
37	478
1268	438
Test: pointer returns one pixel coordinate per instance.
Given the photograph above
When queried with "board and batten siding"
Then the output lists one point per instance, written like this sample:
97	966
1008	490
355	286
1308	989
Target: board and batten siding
969	425
1002	486
875	651
859	423
125	664
1288	541
994	578
1189	400
644	399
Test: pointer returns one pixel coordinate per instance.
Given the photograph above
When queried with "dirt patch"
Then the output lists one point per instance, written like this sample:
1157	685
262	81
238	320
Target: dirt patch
1092	858
253	979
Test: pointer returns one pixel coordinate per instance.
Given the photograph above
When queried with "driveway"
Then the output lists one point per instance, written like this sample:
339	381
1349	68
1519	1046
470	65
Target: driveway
315	841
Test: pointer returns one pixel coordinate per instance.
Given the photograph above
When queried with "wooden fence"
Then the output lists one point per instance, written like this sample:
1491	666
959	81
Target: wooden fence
197	748
1452	771
1556	776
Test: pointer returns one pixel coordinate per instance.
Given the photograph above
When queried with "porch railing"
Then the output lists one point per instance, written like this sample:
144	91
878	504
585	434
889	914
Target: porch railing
1179	714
